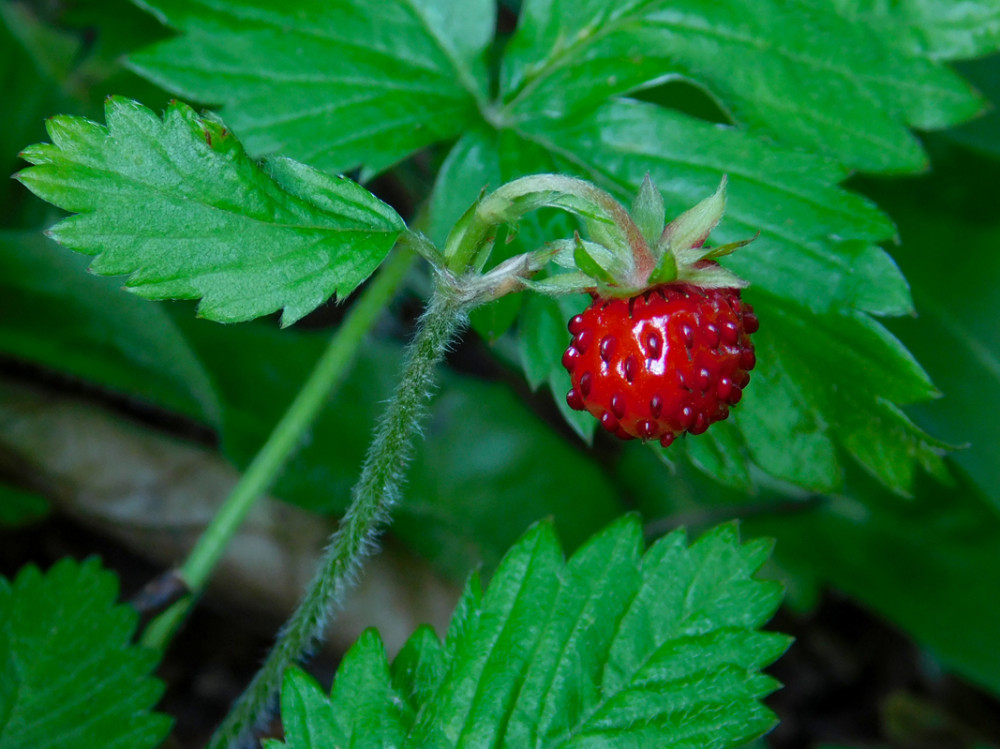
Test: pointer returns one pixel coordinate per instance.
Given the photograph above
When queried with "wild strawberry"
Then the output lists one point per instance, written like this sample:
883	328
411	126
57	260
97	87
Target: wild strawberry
664	348
670	360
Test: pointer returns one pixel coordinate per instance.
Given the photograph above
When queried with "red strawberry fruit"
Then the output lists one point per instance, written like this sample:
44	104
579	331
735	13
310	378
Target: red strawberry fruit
670	360
664	349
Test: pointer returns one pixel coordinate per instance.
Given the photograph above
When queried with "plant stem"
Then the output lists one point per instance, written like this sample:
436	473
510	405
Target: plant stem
281	444
374	494
473	235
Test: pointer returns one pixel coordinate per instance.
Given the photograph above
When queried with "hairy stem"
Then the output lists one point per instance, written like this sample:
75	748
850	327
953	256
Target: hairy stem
472	237
280	445
377	490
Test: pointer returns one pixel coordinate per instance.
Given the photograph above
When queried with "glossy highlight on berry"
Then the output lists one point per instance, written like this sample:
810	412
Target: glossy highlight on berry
669	361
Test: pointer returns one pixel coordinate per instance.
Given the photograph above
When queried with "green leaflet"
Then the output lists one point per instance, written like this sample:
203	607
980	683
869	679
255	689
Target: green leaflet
798	72
178	205
956	334
338	85
69	677
939	29
851	372
602	650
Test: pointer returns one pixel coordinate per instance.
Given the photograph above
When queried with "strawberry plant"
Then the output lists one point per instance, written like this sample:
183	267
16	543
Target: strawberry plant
396	261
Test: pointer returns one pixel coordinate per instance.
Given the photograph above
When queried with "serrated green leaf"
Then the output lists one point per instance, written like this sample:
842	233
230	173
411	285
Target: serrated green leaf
875	283
852	343
611	648
365	711
366	706
939	29
561	686
418	667
306	715
484	678
246	239
956	335
70	677
855	392
337	85
888	445
800	73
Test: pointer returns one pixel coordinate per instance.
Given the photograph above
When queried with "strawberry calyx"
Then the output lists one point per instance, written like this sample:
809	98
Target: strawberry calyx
648	252
623	253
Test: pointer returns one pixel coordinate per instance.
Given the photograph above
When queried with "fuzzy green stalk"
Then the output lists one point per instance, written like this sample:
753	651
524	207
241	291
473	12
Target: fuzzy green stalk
473	235
281	444
377	489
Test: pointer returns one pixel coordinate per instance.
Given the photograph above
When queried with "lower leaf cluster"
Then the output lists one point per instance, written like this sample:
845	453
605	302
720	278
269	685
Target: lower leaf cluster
612	648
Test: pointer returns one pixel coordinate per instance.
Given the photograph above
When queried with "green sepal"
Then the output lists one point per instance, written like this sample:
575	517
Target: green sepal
712	277
564	250
665	270
648	211
728	249
562	284
586	262
692	227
